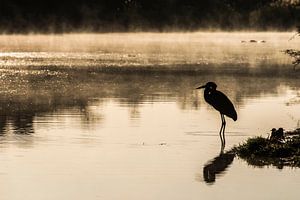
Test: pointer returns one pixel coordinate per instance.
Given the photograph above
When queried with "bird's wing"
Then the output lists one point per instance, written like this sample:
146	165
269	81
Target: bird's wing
221	103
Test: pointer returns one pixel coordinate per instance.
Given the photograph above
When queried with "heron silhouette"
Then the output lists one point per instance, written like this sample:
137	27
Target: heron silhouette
221	103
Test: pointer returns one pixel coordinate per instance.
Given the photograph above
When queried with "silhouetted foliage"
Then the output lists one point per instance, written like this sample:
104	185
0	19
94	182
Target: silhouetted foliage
135	15
261	151
293	52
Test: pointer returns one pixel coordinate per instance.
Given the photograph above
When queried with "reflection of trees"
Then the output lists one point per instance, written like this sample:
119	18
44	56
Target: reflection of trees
27	94
22	123
2	124
17	116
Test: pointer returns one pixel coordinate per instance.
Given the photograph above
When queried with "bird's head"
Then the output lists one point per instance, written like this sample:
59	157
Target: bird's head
280	130
273	130
208	85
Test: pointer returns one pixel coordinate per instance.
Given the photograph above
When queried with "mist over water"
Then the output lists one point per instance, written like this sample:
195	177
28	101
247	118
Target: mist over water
179	52
112	116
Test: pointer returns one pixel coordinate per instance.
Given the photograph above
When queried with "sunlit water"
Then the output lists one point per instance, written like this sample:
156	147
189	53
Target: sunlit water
117	116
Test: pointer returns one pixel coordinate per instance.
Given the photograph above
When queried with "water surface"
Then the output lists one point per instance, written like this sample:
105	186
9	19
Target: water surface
117	116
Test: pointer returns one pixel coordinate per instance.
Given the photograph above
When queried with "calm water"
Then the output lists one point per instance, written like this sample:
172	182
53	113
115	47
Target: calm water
117	116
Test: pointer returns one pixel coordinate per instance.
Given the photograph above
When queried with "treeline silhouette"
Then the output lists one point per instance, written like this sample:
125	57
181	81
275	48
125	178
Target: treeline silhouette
19	16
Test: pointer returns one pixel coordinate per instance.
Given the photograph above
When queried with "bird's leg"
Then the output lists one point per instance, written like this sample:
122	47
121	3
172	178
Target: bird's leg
224	122
220	133
222	149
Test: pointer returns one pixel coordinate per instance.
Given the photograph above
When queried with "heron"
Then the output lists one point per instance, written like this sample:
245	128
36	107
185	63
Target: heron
221	103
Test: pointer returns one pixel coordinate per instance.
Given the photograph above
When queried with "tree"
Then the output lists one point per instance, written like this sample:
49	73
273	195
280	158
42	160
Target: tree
293	52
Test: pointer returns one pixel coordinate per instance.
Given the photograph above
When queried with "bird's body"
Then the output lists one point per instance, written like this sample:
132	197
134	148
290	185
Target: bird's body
277	135
221	103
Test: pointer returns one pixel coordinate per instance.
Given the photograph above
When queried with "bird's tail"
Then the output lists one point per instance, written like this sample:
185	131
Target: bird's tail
234	116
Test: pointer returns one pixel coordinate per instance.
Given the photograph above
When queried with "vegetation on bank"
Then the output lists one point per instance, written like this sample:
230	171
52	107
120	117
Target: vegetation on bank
278	152
295	54
18	16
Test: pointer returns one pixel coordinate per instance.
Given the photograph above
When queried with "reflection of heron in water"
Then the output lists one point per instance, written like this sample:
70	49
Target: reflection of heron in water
217	166
221	103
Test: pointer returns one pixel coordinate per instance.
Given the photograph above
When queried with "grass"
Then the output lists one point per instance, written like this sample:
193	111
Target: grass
261	151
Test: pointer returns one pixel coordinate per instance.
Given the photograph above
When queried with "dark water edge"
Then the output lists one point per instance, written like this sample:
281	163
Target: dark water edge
259	70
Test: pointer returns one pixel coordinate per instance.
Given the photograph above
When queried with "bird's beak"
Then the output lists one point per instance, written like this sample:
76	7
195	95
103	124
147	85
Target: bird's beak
203	86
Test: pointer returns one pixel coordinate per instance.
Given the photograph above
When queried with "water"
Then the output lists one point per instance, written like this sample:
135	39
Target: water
117	116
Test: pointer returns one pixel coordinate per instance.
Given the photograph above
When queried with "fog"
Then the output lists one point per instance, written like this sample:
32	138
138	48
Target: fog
198	52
